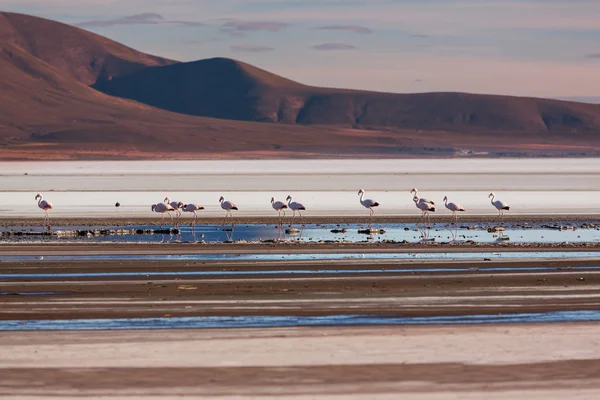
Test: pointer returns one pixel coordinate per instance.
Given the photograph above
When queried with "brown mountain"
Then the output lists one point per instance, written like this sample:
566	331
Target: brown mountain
49	111
80	54
230	89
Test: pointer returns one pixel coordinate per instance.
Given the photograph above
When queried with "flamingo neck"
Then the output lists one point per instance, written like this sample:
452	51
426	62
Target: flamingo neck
492	201
362	196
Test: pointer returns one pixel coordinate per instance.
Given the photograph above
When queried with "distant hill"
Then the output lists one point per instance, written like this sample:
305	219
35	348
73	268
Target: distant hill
229	89
52	107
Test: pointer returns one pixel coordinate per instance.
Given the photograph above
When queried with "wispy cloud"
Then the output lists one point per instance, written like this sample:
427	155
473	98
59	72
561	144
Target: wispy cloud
419	36
351	28
250	49
269	26
138	19
593	55
334	46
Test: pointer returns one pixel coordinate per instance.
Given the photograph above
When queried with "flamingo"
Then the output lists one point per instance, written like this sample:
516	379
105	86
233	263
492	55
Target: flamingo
421	199
192	208
279	206
295	206
454	208
163	208
175	204
227	206
44	205
425	208
499	204
368	203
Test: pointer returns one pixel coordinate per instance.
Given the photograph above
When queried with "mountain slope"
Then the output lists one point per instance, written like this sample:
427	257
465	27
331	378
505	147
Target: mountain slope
48	110
83	55
229	89
46	113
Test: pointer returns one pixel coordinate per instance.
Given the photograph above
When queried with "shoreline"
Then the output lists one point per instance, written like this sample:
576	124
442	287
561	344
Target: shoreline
323	220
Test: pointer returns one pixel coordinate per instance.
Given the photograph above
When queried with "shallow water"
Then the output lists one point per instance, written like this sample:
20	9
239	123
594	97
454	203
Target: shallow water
291	321
382	271
348	233
478	256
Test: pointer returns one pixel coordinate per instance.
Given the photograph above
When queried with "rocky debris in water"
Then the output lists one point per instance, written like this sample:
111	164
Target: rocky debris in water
371	231
169	231
344	230
559	227
495	229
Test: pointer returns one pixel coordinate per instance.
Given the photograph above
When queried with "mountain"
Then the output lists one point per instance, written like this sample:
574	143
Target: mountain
52	106
229	89
48	111
79	54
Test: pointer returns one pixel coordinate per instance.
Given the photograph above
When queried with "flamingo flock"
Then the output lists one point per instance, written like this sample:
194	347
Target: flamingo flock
167	206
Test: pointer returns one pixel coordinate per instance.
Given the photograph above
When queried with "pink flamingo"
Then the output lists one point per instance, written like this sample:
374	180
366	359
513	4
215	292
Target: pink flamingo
295	207
454	207
279	206
368	203
163	208
227	206
44	205
192	208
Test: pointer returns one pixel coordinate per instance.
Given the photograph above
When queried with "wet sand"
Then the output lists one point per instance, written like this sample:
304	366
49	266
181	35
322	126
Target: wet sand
497	361
417	293
546	361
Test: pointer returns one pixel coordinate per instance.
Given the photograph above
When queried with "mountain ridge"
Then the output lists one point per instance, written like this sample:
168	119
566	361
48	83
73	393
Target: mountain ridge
51	108
205	87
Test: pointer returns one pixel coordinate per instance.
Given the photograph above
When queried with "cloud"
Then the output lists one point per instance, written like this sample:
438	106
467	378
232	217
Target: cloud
419	36
334	46
593	55
351	28
250	49
269	26
138	19
231	32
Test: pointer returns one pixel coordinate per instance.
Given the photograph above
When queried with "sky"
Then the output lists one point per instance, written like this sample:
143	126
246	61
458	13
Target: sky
541	48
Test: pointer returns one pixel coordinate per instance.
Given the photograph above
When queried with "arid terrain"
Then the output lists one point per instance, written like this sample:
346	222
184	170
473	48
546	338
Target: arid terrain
105	329
54	79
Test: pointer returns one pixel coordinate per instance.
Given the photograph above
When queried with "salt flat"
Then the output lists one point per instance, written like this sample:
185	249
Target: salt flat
553	361
326	187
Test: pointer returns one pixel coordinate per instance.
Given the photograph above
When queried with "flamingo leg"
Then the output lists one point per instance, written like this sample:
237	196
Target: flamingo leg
302	222
231	215
371	218
293	216
225	218
420	219
195	217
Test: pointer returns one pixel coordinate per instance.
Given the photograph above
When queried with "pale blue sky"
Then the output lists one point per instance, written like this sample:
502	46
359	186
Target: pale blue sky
546	48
